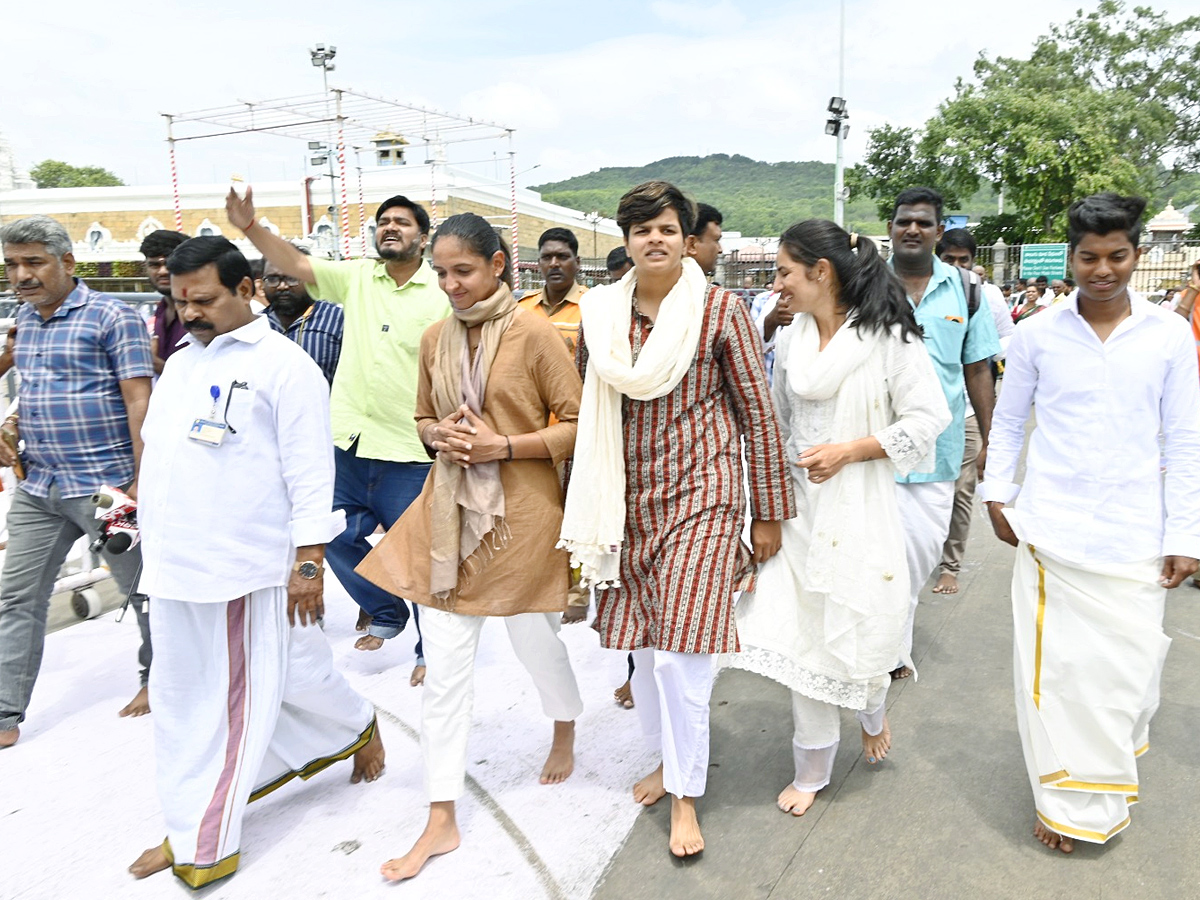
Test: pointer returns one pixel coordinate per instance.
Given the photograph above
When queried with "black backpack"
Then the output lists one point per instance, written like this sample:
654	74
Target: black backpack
972	288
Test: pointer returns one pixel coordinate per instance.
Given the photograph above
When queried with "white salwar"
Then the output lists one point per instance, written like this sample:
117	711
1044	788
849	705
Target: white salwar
672	691
243	702
1087	659
450	643
827	617
926	508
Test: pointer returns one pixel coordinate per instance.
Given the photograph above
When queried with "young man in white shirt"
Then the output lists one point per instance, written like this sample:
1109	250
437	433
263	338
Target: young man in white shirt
1100	534
236	507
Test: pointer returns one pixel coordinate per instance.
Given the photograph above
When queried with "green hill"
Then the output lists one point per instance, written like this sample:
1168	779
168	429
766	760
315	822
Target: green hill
756	198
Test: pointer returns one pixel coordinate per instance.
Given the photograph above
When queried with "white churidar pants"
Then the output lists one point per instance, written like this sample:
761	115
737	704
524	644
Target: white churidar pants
818	727
671	693
925	510
243	702
450	643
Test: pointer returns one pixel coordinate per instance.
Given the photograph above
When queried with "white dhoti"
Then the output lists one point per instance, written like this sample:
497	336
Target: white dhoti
243	703
1088	655
925	511
450	641
671	692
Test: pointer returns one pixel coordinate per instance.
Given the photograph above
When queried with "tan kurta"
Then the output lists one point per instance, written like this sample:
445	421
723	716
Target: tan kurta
531	376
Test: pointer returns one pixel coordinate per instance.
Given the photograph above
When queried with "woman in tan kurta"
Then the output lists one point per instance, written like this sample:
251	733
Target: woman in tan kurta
480	539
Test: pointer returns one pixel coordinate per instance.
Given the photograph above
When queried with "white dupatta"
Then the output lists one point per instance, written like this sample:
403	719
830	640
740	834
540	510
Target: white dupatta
593	525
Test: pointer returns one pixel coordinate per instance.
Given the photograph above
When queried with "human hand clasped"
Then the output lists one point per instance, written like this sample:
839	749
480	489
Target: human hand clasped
824	461
463	439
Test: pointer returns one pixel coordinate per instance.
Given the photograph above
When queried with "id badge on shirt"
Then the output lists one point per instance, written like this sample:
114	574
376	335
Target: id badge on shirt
206	431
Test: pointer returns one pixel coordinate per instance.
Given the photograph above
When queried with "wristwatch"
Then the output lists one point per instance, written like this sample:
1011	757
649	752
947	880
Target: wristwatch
308	569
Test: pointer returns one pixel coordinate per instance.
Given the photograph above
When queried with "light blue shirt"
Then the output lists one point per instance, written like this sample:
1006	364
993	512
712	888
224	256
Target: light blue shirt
952	342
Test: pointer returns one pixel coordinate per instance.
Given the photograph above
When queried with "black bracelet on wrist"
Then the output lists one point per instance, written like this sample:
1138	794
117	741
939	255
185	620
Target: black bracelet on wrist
508	441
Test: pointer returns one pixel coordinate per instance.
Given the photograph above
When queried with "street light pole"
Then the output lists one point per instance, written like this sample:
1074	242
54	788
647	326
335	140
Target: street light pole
322	58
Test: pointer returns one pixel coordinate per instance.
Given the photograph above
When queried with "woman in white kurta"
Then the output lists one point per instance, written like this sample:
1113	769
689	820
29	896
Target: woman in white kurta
858	400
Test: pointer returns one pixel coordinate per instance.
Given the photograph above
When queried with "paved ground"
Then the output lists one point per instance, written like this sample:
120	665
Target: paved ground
949	814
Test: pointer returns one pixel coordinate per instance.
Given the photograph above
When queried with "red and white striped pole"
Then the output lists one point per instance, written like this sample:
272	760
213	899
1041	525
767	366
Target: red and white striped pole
341	148
512	168
433	191
174	178
362	211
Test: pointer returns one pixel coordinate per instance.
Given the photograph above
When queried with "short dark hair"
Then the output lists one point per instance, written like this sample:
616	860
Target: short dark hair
195	253
956	237
1103	214
704	215
1069	282
416	209
479	237
161	243
566	235
1041	279
617	257
914	195
651	199
257	267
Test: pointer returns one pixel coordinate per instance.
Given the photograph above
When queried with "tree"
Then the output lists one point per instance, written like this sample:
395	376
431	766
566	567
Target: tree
894	161
53	173
1108	101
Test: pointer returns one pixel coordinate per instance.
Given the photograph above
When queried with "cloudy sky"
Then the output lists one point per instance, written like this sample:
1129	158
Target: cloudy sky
586	84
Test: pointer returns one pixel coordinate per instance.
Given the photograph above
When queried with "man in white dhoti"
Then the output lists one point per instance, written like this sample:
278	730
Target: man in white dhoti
236	507
1100	534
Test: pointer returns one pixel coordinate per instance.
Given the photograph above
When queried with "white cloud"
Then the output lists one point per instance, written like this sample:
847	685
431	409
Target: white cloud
717	18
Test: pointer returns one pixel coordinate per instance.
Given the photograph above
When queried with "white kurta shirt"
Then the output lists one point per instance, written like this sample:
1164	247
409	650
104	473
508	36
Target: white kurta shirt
1094	490
221	521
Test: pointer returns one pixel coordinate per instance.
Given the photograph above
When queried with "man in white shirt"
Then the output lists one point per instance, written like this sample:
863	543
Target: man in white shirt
1100	534
236	507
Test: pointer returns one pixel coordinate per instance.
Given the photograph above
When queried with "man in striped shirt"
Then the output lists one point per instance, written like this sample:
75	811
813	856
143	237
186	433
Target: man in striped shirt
316	325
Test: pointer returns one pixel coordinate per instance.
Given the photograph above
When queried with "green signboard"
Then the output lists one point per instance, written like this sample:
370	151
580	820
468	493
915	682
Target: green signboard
1044	259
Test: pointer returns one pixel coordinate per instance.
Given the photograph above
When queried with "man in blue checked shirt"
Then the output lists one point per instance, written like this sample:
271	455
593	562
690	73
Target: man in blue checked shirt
316	325
85	365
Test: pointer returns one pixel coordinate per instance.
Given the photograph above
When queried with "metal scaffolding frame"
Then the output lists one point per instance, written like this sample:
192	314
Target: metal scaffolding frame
340	118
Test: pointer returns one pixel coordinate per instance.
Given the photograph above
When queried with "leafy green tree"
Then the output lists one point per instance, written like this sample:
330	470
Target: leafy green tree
53	173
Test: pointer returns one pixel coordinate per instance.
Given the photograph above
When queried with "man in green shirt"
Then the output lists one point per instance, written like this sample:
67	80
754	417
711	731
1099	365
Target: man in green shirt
381	462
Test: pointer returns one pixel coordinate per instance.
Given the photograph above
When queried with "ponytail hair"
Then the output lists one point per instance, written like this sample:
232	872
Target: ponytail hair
479	237
868	289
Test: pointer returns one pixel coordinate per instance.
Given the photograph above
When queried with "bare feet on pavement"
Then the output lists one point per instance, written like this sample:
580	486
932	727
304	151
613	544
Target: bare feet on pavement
1052	839
440	836
368	642
364	621
794	801
138	706
900	672
418	676
946	584
8	738
368	761
561	761
650	789
876	746
624	695
153	860
686	839
574	615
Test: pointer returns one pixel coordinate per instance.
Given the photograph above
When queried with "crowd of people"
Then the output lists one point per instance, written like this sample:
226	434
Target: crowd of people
763	485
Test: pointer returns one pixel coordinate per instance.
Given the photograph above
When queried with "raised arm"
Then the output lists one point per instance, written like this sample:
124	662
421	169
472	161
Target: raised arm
282	255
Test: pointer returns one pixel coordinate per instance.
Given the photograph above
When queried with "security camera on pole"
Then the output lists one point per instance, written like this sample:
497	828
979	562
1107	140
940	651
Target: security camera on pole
836	126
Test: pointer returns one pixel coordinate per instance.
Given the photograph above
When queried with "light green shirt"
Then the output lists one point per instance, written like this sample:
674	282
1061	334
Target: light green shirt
374	393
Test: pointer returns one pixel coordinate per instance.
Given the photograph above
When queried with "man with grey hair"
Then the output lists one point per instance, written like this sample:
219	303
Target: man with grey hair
85	366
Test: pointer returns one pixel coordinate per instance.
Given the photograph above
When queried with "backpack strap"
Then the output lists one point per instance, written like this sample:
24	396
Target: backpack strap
971	290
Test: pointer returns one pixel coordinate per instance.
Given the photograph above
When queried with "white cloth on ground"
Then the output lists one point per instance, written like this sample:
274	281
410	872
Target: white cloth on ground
925	511
1087	660
593	526
828	614
671	692
450	641
242	703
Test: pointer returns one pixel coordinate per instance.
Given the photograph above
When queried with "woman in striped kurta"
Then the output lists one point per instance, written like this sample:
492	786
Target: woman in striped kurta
669	466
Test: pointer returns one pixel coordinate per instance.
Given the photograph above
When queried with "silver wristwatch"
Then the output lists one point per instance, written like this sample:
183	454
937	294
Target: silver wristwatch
308	569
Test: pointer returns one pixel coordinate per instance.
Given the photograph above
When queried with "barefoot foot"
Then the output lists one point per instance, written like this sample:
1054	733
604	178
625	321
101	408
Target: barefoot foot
1052	839
686	839
561	761
368	760
900	672
574	615
364	621
138	706
650	789
876	746
153	860
794	801
368	642
8	738
440	836
624	695
417	678
946	584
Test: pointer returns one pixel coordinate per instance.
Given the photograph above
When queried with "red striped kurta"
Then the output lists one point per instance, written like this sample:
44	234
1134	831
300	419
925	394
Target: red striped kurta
683	555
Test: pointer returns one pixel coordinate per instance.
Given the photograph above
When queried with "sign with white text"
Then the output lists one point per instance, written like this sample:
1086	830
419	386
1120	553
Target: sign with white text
1044	259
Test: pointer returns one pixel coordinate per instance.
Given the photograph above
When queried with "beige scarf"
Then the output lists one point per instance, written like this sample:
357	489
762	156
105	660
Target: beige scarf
594	518
467	512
